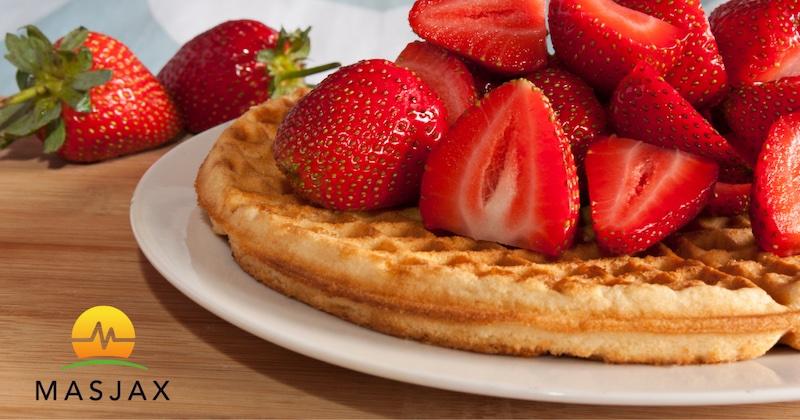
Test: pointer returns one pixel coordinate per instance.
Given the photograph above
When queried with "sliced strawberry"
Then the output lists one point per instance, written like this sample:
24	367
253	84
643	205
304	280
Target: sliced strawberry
445	73
730	199
758	39
506	36
577	107
602	41
699	73
751	110
646	107
775	211
641	193
488	180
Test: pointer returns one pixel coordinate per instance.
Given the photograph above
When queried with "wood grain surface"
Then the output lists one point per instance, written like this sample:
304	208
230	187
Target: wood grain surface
66	245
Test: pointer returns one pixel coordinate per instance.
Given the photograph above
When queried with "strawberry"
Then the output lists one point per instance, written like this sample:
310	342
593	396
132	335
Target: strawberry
758	39
647	108
735	172
505	36
445	73
775	210
489	181
221	73
730	199
602	41
640	193
360	139
751	110
88	97
577	107
699	73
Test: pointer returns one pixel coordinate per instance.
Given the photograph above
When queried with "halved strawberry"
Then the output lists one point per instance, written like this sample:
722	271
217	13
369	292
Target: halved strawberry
730	199
489	180
602	41
758	39
699	73
647	108
507	36
751	110
445	73
641	193
577	107
775	211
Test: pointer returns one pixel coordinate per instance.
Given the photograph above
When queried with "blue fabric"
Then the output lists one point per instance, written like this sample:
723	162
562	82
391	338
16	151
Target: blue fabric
129	21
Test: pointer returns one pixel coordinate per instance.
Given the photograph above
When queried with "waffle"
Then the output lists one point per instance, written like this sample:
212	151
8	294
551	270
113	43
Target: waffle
704	296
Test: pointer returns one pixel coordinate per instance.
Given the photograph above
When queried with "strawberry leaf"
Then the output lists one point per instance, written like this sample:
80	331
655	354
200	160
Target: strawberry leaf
19	54
79	101
286	62
8	112
56	134
34	33
24	80
88	80
74	39
45	111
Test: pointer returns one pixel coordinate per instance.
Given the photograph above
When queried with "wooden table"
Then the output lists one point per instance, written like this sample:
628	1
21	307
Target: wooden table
66	245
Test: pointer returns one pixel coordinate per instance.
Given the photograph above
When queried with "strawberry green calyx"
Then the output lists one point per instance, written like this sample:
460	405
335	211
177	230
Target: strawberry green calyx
49	77
286	62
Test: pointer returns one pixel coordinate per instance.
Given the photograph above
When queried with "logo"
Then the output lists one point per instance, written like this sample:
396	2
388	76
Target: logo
103	335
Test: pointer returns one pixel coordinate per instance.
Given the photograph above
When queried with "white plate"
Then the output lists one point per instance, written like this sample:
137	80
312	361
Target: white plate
177	239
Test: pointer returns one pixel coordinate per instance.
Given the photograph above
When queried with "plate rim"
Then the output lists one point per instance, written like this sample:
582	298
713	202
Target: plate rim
370	367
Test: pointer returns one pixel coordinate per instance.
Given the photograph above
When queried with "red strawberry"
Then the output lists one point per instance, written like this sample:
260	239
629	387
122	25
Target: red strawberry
602	41
445	73
360	139
758	39
775	210
489	181
506	36
87	96
646	107
221	73
733	172
577	107
641	193
751	110
730	199
699	73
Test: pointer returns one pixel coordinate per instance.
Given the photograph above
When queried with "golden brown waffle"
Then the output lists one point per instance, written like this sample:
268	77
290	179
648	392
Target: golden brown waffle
707	297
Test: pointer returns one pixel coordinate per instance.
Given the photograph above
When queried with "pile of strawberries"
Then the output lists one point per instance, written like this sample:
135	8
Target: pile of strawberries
89	98
649	113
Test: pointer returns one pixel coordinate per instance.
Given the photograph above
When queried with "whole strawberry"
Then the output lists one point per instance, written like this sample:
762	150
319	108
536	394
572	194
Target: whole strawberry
221	73
360	139
88	97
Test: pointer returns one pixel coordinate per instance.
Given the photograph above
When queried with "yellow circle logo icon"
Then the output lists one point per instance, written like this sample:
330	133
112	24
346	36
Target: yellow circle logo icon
103	331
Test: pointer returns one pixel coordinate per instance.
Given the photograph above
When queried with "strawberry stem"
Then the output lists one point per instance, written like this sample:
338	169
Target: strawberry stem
24	95
309	71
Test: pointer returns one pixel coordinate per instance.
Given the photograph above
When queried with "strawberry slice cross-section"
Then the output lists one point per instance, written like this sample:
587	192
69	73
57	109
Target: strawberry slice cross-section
505	36
640	193
504	173
602	41
775	209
